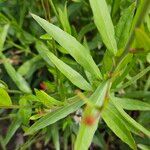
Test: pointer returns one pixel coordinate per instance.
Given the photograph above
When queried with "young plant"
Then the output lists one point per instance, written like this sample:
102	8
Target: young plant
106	85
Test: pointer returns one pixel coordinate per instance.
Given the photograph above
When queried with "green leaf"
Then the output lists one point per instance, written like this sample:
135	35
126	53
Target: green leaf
3	32
137	94
86	132
12	129
46	99
16	77
108	62
143	147
74	48
123	62
115	7
125	122
55	136
129	119
73	104
131	104
3	85
2	143
123	27
87	28
45	37
70	73
115	123
124	73
135	78
148	58
104	24
63	17
4	98
30	66
142	39
25	110
37	116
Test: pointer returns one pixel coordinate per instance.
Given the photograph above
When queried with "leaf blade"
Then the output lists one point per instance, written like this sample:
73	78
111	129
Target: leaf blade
86	132
129	119
74	48
132	104
117	126
4	98
70	73
58	114
104	24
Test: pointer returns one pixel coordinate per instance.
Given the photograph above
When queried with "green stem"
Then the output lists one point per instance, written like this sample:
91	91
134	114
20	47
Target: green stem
54	9
43	5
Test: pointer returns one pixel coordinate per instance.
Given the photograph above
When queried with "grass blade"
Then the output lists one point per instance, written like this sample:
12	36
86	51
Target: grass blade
104	24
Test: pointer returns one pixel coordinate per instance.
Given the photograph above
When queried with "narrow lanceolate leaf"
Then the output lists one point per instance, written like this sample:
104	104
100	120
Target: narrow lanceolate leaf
129	119
70	73
142	39
132	104
55	136
124	74
115	123
52	117
3	35
123	63
135	78
104	24
16	77
46	99
63	17
12	129
123	27
30	66
86	131
74	48
125	122
25	110
4	98
144	147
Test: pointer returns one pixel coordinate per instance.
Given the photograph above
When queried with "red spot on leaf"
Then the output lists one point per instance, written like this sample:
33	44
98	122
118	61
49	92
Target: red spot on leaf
89	120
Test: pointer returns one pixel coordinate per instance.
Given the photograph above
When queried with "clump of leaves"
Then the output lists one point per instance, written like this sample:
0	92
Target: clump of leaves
108	83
